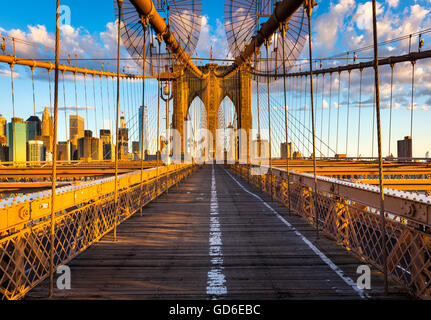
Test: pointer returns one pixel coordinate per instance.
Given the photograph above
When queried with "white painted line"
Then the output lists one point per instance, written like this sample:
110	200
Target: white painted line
215	279
322	256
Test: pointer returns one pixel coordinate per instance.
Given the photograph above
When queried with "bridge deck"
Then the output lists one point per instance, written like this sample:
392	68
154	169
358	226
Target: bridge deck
201	242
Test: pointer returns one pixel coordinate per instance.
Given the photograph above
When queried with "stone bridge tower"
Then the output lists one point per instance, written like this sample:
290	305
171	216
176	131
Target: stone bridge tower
212	90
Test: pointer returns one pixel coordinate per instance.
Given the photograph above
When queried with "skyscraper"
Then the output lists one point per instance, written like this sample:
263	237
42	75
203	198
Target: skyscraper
2	125
84	147
34	128
46	123
76	124
144	127
123	140
404	148
96	149
105	136
63	151
35	150
17	140
3	138
283	154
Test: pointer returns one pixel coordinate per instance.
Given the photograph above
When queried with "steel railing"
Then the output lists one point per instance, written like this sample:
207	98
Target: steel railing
25	247
356	224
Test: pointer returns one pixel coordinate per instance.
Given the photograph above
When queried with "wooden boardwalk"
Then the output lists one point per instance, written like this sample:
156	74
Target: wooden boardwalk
216	238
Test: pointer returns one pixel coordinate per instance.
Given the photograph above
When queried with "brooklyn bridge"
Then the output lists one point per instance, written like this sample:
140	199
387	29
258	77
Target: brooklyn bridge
273	172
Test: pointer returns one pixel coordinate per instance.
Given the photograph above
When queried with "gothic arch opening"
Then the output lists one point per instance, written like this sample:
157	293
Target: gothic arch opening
227	122
196	119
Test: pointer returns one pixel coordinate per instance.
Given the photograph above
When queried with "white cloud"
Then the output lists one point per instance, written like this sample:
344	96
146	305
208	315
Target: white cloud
212	38
328	25
325	104
364	15
393	3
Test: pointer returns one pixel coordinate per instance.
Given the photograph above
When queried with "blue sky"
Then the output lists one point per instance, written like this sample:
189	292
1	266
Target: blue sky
338	26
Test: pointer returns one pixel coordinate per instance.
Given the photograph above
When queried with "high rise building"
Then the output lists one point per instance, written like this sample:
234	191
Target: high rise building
46	123
135	147
123	140
17	140
47	142
404	148
108	151
84	147
283	154
144	127
76	125
96	149
35	150
4	153
105	136
3	138
63	151
34	128
2	126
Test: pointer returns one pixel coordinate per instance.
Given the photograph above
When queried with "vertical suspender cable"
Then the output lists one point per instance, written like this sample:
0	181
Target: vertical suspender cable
120	10
390	110
374	120
259	151
101	102
34	100
50	92
379	143
76	94
95	108
13	109
348	114
309	9
329	110
321	115
159	39
338	110
65	106
267	43
359	110
86	101
144	27
283	28
54	153
412	106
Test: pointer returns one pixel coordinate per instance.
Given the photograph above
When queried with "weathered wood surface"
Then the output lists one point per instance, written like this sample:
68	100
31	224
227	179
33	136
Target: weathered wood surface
165	253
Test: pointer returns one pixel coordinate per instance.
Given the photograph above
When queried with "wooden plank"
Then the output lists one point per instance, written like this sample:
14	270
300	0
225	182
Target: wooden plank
165	253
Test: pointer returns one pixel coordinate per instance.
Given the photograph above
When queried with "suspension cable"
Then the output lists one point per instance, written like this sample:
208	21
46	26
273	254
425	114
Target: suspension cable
338	111
95	106
267	43
321	114
309	9
34	99
86	101
65	106
120	9
348	114
329	110
412	98
144	26
359	109
390	110
283	34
